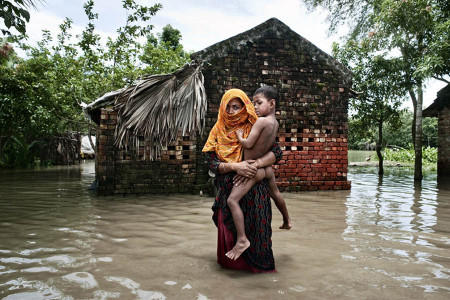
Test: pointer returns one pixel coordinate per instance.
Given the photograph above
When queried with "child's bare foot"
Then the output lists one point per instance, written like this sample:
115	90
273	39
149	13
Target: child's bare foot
286	224
238	249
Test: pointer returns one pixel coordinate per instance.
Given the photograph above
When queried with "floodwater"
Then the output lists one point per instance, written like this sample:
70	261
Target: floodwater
384	239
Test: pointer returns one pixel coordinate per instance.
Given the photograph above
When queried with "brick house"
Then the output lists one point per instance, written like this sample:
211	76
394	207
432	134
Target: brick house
440	109
314	90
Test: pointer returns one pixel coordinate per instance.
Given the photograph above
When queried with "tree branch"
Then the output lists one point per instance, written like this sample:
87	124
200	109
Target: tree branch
441	79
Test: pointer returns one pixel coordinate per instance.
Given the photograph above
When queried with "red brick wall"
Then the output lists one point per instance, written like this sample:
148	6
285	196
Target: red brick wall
125	171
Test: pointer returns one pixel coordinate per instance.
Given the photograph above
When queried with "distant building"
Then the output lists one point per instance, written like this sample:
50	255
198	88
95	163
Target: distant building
312	113
440	109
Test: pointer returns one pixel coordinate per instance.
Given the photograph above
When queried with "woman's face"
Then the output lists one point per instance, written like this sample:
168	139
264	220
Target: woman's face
234	106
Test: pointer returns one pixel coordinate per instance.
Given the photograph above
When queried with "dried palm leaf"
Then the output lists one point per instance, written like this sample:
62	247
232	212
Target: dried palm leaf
160	106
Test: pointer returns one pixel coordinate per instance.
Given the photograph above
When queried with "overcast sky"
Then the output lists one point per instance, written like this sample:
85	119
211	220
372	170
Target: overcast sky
201	22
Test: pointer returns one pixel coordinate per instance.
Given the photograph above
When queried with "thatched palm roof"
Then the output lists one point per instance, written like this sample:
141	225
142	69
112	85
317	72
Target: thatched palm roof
158	107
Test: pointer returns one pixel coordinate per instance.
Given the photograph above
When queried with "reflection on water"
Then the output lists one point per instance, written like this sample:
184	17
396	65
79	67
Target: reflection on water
400	228
386	238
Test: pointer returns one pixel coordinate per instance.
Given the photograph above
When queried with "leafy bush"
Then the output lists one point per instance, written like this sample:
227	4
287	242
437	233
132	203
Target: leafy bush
429	155
20	153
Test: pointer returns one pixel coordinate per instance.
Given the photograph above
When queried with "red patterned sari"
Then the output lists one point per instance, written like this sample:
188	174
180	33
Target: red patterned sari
256	206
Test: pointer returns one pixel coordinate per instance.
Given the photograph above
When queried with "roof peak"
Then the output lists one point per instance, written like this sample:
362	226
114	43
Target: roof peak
276	28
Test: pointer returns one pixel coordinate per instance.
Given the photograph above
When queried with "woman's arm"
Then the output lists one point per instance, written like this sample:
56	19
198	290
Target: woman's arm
244	168
273	156
267	159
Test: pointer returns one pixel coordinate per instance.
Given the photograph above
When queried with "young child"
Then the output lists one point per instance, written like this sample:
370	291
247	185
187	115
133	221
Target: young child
259	141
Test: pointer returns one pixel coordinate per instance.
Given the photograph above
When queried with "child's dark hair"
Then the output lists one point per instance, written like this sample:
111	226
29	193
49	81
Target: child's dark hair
269	92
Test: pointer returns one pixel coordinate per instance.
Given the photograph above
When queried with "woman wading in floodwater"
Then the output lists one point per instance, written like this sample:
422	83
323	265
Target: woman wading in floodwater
237	112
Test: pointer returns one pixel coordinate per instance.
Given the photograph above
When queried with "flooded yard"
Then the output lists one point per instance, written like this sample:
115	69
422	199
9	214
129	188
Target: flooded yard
384	239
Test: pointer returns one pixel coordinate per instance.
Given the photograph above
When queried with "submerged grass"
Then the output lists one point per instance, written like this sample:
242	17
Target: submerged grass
401	160
390	169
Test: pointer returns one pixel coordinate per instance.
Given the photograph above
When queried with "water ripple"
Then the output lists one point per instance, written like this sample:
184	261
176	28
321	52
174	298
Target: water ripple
386	238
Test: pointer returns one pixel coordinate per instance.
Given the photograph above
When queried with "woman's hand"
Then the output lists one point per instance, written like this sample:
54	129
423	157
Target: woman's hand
240	180
239	133
246	168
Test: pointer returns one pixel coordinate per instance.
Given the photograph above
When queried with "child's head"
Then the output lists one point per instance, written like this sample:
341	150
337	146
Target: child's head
265	100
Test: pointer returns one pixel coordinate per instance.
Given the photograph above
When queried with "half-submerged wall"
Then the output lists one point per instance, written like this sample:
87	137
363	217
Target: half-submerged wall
440	109
443	164
127	171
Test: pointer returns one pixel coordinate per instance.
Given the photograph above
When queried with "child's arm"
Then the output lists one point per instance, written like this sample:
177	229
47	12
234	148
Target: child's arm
249	142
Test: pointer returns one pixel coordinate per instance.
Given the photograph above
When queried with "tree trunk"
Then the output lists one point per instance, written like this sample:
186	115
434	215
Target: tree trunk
418	134
413	124
378	147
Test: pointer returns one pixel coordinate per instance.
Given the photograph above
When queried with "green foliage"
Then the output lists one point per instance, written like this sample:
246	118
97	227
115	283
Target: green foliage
430	132
394	134
429	155
20	153
418	29
374	77
15	15
400	136
164	54
40	95
399	155
413	32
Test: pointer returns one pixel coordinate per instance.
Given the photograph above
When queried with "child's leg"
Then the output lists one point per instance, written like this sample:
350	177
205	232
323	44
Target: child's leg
236	195
278	198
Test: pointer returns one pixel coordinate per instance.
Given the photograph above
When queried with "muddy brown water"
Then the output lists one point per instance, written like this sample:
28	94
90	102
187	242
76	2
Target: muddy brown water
384	239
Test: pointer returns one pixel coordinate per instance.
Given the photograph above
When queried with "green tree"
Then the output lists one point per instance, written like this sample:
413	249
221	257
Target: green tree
379	100
170	36
395	135
124	50
400	136
164	54
416	32
15	14
40	95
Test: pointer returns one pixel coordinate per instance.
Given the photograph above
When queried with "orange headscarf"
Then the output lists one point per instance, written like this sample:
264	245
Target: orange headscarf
222	139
